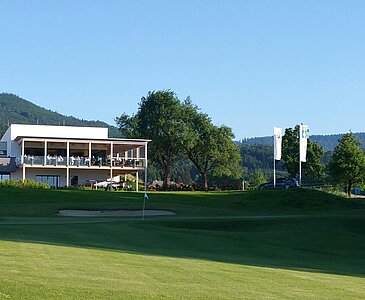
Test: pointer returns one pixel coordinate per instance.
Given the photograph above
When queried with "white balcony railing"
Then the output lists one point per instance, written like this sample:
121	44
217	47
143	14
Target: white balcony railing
77	161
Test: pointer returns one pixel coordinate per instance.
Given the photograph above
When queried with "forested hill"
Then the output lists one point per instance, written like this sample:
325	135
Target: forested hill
328	142
15	110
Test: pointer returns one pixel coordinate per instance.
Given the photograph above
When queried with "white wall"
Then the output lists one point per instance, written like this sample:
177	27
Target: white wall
84	175
15	149
31	173
67	132
6	138
17	175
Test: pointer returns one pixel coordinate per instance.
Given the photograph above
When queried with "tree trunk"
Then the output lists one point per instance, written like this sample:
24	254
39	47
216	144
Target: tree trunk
167	175
349	187
205	182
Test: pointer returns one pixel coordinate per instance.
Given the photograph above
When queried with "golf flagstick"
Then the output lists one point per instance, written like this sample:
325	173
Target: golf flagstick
145	197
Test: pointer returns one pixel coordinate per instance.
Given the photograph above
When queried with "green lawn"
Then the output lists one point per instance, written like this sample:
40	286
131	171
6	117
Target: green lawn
295	244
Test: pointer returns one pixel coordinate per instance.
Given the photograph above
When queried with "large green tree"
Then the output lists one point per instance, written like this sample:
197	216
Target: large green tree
210	148
177	128
314	167
290	155
347	165
290	151
159	118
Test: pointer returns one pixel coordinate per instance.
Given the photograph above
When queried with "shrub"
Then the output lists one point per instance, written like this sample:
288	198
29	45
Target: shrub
8	183
25	184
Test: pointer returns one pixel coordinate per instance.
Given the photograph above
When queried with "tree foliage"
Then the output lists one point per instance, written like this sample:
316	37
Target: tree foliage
210	148
347	165
290	154
314	167
178	128
290	151
259	159
159	118
257	178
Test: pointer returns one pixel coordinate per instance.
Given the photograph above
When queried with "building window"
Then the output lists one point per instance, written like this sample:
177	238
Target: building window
3	146
52	180
4	177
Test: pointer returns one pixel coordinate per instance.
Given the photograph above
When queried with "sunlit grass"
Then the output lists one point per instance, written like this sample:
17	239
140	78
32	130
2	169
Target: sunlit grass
231	245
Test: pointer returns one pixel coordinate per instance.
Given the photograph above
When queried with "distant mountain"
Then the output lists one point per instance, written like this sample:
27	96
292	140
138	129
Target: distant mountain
328	142
15	110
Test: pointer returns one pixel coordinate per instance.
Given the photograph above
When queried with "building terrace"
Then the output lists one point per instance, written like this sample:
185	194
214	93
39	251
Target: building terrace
67	155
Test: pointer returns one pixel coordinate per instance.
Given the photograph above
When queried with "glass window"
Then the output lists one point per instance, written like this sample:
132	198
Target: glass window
4	177
50	179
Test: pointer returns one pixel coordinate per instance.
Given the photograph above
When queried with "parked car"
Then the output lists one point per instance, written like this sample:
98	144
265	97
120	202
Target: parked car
283	183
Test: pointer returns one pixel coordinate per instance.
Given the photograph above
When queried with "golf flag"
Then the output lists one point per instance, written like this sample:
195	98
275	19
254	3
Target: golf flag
144	204
277	143
303	136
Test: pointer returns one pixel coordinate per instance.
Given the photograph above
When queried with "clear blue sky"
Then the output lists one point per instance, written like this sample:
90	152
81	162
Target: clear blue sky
249	64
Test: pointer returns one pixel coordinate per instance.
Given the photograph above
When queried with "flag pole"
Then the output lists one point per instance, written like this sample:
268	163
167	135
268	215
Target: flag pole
277	138
300	172
145	197
145	193
274	171
300	155
144	205
274	137
277	148
274	174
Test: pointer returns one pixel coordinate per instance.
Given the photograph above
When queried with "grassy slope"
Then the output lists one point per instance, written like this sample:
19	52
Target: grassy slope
214	248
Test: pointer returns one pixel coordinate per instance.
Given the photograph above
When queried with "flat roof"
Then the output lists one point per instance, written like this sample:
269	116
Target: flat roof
58	131
18	138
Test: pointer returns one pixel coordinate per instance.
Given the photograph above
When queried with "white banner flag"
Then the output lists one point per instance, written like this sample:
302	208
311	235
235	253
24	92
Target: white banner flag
278	137
303	136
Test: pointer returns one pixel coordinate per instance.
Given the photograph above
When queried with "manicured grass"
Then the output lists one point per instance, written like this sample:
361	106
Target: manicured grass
296	244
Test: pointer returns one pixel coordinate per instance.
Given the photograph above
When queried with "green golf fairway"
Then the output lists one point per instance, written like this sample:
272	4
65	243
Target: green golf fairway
277	244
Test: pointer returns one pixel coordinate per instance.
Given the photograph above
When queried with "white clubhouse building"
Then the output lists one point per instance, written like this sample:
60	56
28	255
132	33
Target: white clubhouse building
68	155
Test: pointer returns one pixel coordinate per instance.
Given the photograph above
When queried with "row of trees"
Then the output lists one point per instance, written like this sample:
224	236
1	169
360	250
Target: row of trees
185	141
345	166
258	160
179	130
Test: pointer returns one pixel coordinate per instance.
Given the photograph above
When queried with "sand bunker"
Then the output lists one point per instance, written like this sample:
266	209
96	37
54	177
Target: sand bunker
113	213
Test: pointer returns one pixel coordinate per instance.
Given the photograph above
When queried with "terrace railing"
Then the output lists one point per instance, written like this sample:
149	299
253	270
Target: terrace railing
72	161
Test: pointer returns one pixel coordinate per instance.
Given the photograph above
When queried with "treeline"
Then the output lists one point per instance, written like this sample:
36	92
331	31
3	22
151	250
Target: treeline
328	142
15	110
257	161
188	148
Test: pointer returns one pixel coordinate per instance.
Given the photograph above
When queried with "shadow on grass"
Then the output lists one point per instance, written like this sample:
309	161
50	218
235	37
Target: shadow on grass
328	244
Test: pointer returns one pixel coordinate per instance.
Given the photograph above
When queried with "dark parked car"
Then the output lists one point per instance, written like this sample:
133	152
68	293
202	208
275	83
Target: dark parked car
283	183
